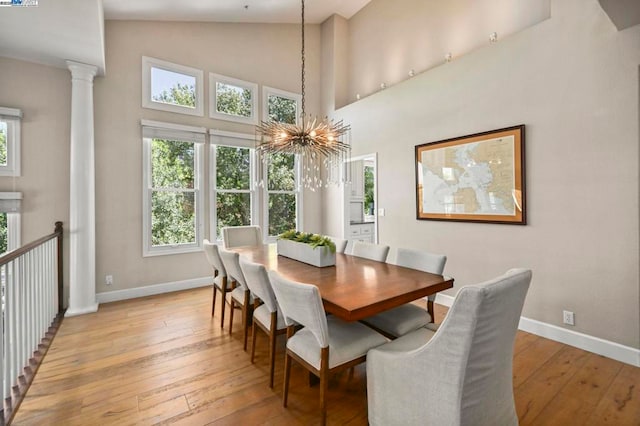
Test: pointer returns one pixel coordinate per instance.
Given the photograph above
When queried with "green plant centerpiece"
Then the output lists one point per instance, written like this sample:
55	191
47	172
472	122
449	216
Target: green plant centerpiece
303	247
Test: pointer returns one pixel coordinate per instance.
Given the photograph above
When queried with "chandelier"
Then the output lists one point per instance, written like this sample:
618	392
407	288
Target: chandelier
314	140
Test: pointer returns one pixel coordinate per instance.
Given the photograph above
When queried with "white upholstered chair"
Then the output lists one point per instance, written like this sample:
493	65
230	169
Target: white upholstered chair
340	243
325	344
461	374
266	316
220	282
370	251
238	236
240	296
408	317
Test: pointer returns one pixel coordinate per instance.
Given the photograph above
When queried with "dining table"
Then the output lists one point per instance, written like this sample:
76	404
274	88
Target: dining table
354	288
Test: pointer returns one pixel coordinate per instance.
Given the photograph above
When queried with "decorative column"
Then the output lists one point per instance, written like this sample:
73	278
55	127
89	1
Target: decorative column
82	214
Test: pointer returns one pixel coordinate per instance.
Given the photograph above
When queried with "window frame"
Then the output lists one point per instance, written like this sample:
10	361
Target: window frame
183	133
14	218
148	63
12	117
213	99
235	140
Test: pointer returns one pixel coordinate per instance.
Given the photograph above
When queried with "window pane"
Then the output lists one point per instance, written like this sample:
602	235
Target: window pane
173	88
172	164
282	213
281	172
282	109
233	168
173	218
234	100
232	209
3	143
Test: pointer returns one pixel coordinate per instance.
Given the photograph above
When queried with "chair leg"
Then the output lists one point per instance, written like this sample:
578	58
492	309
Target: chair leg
224	300
287	370
253	341
213	303
246	321
324	383
232	307
272	346
287	374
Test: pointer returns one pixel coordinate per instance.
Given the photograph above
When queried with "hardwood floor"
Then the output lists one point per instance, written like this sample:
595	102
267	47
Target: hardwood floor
164	360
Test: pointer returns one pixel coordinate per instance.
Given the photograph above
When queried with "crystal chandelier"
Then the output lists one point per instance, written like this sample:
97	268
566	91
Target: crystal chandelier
314	141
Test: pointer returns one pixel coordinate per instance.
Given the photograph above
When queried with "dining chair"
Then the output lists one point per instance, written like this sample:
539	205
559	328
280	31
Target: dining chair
220	282
460	374
268	315
408	317
240	296
323	345
370	251
237	236
340	243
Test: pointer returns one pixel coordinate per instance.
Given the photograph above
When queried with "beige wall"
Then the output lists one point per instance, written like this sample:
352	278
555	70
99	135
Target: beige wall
264	54
44	95
573	80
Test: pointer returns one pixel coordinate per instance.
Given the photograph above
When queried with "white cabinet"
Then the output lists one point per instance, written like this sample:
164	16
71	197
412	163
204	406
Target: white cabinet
357	180
361	232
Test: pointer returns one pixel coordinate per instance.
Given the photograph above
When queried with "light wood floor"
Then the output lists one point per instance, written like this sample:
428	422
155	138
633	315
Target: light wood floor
164	360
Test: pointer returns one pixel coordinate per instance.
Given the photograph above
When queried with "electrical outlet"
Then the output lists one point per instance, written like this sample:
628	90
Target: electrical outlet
108	280
568	318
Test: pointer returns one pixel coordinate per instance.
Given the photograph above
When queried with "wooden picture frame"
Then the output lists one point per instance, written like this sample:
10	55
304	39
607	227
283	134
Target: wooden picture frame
473	178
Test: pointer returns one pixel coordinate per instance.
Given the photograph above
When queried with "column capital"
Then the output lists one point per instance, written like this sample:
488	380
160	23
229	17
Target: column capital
82	71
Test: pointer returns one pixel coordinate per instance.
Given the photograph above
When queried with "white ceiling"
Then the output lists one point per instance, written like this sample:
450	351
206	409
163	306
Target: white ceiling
264	11
59	30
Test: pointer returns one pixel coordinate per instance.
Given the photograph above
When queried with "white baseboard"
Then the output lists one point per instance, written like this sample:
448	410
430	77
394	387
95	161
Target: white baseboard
150	290
612	350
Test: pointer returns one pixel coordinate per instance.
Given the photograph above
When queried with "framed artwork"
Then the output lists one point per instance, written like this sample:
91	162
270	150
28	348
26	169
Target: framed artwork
473	178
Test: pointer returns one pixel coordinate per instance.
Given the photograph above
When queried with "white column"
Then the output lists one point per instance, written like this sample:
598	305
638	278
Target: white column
82	214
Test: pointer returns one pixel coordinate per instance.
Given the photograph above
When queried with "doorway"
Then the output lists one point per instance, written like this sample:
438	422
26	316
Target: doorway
360	215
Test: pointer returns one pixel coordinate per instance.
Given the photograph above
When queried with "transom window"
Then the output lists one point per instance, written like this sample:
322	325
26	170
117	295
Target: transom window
232	99
10	141
171	87
172	205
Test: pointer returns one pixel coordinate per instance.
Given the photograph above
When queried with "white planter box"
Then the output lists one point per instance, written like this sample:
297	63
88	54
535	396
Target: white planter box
318	256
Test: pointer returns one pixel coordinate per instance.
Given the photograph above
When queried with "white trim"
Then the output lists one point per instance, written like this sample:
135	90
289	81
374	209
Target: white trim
149	63
223	137
150	290
14	230
172	126
213	98
10	112
607	348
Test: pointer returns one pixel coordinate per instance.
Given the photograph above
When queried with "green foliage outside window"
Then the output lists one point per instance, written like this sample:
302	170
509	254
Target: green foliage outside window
172	197
179	94
3	143
282	110
369	201
233	173
233	100
3	233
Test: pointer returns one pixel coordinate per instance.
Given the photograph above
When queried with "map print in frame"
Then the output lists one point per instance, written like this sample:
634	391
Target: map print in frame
474	178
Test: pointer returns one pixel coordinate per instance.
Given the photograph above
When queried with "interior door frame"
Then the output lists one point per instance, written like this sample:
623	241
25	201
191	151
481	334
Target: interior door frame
346	192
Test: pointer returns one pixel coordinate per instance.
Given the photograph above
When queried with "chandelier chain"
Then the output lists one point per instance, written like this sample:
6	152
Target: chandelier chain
302	53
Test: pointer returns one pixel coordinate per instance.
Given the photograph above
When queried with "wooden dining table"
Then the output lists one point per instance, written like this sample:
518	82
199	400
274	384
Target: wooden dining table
355	288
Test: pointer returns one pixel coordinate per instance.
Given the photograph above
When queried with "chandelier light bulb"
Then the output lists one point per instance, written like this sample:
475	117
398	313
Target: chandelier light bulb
283	135
312	133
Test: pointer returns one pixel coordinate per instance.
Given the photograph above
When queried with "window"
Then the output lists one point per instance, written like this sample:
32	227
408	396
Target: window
172	87
172	178
10	204
10	141
280	106
283	197
232	99
233	198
